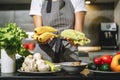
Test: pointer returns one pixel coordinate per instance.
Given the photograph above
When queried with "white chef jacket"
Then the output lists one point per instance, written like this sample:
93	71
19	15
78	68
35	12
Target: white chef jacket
36	5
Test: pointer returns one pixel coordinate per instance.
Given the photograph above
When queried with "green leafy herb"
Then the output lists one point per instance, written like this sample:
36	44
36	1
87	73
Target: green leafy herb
11	37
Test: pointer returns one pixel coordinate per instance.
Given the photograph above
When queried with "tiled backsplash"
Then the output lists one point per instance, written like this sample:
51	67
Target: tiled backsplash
21	17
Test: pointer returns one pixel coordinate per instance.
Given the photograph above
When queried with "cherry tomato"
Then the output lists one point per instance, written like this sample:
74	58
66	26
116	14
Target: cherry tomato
106	59
26	46
102	62
97	60
92	66
31	45
104	67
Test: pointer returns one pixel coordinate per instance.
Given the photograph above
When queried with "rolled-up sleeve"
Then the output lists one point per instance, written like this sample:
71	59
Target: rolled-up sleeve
35	8
79	5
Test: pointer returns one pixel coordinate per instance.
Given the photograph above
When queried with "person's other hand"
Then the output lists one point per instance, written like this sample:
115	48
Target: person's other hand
70	41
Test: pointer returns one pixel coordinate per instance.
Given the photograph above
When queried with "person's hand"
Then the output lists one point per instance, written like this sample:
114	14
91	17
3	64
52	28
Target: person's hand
70	41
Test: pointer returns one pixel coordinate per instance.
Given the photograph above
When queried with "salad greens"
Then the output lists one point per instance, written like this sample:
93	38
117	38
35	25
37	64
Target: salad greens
11	37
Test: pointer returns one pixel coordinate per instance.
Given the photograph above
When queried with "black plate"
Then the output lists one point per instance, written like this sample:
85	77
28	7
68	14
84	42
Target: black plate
97	72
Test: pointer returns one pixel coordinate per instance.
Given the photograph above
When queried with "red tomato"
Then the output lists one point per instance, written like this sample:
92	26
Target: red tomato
97	60
106	58
31	46
26	46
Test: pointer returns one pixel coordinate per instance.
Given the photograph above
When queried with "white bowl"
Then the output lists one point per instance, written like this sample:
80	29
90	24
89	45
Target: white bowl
73	69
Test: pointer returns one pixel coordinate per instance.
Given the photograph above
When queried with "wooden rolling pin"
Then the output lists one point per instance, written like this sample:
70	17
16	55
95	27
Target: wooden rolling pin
88	48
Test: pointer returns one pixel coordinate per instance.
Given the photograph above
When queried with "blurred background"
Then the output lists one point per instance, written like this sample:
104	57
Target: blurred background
98	11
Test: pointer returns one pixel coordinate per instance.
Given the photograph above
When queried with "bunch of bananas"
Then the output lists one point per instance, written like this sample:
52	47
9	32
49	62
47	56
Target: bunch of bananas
44	33
76	36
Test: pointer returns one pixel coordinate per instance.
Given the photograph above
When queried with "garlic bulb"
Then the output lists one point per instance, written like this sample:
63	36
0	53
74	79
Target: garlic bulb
42	66
28	59
37	56
34	63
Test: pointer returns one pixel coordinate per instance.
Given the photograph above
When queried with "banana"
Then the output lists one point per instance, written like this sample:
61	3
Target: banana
43	29
52	66
46	36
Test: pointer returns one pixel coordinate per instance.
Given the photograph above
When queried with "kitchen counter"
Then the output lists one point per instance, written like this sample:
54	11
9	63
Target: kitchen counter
84	75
